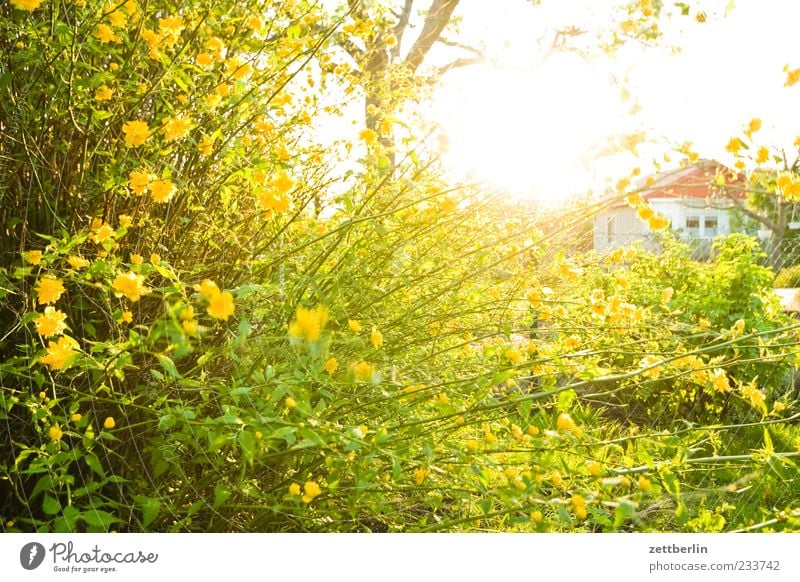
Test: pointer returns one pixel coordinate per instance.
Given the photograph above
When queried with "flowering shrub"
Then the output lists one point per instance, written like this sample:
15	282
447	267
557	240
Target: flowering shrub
205	335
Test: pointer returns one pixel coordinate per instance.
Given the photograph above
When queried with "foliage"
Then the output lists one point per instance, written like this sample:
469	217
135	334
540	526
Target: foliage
206	334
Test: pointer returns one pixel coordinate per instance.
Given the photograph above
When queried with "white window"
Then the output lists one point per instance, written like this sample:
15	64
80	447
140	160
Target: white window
710	226
693	225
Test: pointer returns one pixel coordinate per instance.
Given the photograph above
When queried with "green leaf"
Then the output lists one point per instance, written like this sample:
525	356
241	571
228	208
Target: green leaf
247	443
221	495
50	505
94	464
99	518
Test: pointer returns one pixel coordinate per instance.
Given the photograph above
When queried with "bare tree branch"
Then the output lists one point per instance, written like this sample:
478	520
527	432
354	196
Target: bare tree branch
462	46
459	63
437	18
400	27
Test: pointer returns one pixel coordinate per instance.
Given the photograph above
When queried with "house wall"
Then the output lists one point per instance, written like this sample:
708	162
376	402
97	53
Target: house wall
620	226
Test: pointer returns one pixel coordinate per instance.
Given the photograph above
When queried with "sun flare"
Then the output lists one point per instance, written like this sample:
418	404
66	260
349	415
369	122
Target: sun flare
531	134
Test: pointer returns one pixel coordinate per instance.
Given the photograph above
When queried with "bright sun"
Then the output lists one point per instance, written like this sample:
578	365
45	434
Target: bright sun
530	134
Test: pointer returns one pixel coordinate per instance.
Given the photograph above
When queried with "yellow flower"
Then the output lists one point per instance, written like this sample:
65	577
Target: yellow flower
103	93
331	365
666	294
719	380
59	353
354	325
448	204
155	259
76	417
513	356
49	290
734	145
208	288
126	317
755	396
738	328
536	516
101	231
368	136
763	155
644	483
363	371
658	222
130	285
290	402
237	69
310	491
645	212
176	127
162	190
221	306
564	423
376	337
187	313
29	5
204	60
792	77
294	489
138	181
109	423
136	133
55	433
282	182
190	327
106	34
77	262
51	322
254	23
390	40
125	221
206	145
33	257
136	259
419	475
754	125
215	46
308	323
273	201
593	468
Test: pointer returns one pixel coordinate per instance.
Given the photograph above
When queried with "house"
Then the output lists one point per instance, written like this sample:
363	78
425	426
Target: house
690	197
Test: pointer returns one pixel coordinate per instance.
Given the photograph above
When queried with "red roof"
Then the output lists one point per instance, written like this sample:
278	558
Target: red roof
700	180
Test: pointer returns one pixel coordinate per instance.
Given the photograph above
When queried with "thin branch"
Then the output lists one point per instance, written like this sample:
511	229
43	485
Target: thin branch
461	45
437	18
400	27
459	63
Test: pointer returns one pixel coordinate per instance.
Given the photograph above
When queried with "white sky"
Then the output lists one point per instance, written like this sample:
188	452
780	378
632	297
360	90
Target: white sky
532	132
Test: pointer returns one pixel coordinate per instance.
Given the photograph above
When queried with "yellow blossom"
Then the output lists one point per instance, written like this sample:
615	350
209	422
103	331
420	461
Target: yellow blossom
208	288
331	365
221	306
762	156
254	23
593	468
126	317
155	258
513	356
138	181
106	35
190	327
76	417
368	136
376	337
419	475
109	423
77	262
658	222
294	489
273	201
33	257
59	353
754	125
719	380
206	145
666	294
51	322
136	259
204	60
101	231
308	323
354	325
49	290
130	285
290	402
29	5
363	371
738	328
136	133
792	77
734	145
176	127
564	423
644	483
310	491
55	433
103	93
125	221
162	190
645	212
